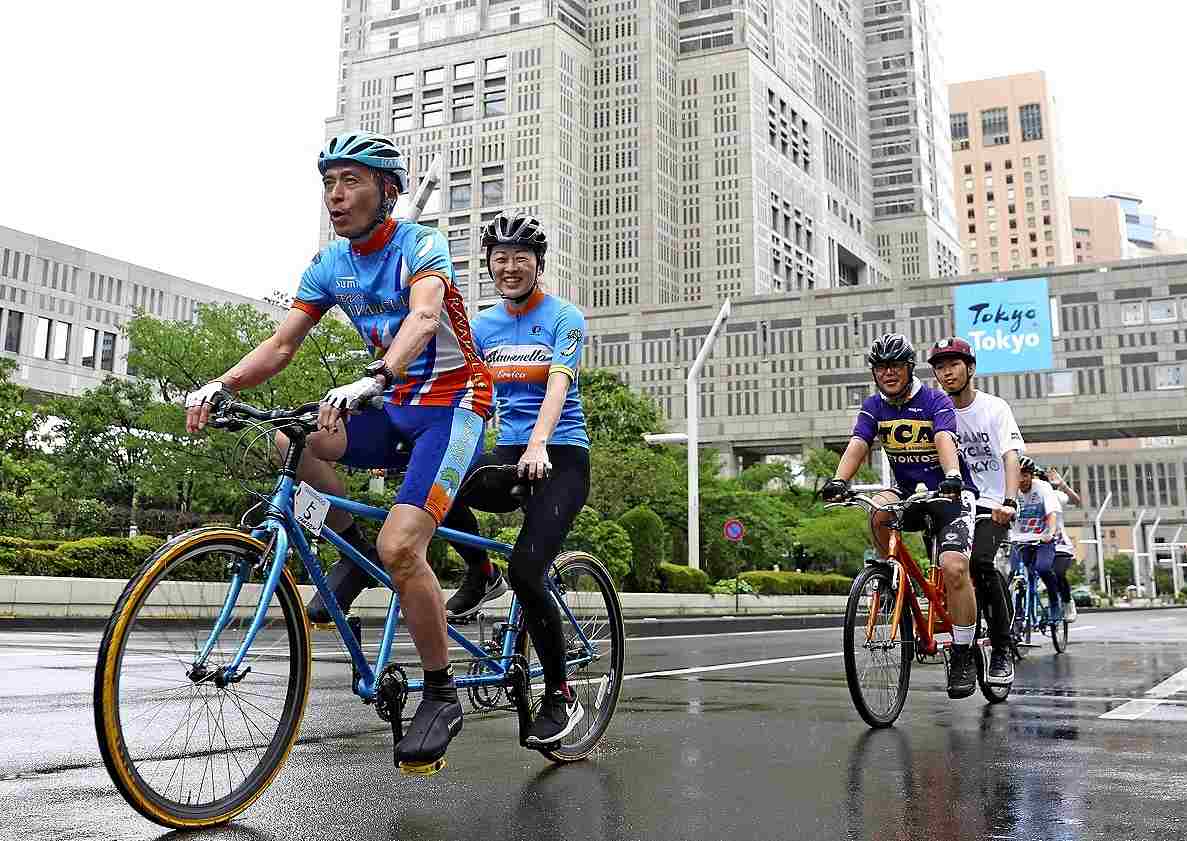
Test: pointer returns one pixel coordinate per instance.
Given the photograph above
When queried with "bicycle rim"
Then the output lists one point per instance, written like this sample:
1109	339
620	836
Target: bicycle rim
877	668
184	752
590	597
1059	637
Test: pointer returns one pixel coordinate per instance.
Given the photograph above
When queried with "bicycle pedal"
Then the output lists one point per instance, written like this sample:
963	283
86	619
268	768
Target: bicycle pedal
323	626
423	769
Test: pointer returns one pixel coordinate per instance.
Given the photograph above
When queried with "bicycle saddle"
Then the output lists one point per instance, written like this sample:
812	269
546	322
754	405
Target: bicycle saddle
495	488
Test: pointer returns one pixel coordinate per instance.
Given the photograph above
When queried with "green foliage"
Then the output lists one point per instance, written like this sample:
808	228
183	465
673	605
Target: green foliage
770	583
614	414
732	586
769	520
681	579
92	557
646	532
606	540
820	465
1120	569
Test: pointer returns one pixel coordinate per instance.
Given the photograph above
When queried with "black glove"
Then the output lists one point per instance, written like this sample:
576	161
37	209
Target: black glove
834	489
952	485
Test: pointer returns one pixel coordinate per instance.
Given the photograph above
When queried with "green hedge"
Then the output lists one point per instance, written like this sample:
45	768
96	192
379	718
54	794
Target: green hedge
681	579
770	583
91	557
646	531
7	542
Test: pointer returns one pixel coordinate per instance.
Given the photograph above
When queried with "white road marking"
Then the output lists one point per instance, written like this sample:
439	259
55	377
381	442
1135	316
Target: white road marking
1156	696
734	634
719	667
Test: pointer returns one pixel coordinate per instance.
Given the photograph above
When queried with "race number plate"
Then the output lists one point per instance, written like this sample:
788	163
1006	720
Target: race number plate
310	508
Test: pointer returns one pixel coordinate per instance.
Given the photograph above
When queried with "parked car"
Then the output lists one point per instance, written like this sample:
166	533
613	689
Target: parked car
1084	597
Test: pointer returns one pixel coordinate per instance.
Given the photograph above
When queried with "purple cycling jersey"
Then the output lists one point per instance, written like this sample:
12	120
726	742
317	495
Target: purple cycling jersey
908	435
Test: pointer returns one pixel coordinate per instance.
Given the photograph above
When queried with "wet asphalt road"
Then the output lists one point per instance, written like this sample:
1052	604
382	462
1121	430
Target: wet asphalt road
729	736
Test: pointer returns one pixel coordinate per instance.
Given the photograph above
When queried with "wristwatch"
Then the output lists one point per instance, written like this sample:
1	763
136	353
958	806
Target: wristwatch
379	368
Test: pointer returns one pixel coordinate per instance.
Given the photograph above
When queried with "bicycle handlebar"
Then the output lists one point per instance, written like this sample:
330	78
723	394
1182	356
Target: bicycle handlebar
232	414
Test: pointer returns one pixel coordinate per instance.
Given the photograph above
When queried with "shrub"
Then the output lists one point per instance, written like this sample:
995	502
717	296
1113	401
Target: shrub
648	538
681	579
769	583
732	586
108	557
27	561
7	542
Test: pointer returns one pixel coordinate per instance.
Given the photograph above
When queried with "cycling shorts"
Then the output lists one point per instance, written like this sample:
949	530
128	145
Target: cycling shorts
1040	555
442	443
947	524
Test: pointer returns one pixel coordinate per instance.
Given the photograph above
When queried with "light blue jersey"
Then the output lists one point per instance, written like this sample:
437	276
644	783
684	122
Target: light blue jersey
522	346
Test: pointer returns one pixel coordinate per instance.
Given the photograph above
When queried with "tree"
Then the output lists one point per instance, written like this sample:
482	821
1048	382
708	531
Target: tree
606	540
820	465
1120	569
614	414
646	531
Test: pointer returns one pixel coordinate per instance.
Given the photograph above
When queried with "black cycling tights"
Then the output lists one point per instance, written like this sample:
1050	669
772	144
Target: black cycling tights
548	516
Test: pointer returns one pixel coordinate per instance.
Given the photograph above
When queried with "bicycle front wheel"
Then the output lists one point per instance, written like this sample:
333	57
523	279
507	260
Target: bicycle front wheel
186	748
877	666
591	618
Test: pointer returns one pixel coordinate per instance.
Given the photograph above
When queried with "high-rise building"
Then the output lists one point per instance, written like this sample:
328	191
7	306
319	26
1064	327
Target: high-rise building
910	145
1011	201
1098	230
678	153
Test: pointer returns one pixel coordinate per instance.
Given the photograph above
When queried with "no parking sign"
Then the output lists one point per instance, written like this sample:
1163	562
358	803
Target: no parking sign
733	530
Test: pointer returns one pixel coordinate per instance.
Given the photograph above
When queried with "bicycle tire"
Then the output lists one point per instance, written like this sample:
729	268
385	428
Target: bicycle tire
992	692
1059	636
150	605
887	712
601	617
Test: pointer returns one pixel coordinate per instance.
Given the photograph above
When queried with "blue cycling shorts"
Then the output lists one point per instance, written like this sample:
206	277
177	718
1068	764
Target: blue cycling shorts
443	442
1041	555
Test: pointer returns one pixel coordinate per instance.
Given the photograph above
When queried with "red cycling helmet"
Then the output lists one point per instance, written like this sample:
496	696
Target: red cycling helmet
952	346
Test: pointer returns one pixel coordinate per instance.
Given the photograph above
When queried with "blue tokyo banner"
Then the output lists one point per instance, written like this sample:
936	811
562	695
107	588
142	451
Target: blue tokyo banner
1008	323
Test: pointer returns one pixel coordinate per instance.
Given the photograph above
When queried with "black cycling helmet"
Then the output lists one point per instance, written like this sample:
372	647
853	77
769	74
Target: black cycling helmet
1026	464
891	349
517	229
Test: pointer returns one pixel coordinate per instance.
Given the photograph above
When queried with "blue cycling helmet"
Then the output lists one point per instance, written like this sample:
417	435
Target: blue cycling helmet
369	149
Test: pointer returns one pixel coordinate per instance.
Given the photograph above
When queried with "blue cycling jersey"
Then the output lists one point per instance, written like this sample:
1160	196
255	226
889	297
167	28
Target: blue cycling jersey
522	346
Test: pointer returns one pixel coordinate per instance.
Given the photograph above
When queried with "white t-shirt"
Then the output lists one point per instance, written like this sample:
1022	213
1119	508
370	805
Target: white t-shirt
1033	508
987	430
1063	543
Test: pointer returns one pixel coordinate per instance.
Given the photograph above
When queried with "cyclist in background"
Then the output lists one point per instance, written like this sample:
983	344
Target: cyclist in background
918	431
532	344
395	282
990	444
1035	531
1065	549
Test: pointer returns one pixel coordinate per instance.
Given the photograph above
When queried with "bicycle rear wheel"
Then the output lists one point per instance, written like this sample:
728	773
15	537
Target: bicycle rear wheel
877	668
592	614
184	751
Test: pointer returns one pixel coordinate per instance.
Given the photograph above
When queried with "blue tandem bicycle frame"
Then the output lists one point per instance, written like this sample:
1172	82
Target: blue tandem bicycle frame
282	525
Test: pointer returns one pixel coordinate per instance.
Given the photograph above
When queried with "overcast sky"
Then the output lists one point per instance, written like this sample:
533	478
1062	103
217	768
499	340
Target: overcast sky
183	136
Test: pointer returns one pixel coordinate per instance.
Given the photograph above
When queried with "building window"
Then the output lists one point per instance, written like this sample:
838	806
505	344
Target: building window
90	338
496	64
494	97
1133	313
107	352
434	76
463	104
402	112
459	196
1162	312
1061	383
41	338
464	70
995	126
61	342
433	114
968	169
405	81
1030	117
12	338
1168	376
492	193
856	395
960	132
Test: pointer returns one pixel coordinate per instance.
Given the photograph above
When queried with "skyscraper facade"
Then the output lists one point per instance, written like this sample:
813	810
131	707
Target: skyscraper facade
910	145
678	152
1010	194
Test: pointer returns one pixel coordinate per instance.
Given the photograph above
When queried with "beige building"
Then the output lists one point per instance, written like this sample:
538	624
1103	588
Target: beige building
1098	230
1010	195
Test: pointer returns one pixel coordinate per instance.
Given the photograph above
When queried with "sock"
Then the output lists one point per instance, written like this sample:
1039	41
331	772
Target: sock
488	569
440	678
963	634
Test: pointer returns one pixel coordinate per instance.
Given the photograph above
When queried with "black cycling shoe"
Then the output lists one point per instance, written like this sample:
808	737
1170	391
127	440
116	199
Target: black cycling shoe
437	720
556	719
346	581
1001	668
476	590
962	672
